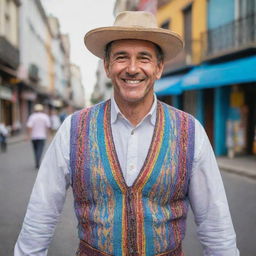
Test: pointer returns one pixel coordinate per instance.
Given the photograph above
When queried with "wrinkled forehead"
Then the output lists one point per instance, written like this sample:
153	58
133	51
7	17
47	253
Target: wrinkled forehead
130	43
134	45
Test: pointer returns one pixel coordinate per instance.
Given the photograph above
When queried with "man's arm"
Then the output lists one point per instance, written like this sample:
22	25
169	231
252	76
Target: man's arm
208	201
47	198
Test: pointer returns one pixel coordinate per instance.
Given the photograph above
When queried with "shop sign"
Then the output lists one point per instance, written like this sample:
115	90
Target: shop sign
5	93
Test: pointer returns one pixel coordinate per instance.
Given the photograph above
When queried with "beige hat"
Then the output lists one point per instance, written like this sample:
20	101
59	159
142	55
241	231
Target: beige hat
38	107
134	25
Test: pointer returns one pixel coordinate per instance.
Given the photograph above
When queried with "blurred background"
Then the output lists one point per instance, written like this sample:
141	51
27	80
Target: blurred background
43	60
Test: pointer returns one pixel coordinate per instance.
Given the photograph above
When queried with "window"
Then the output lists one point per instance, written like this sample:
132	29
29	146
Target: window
166	24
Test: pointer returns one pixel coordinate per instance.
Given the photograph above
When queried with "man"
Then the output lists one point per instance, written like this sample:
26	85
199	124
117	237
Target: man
38	125
134	163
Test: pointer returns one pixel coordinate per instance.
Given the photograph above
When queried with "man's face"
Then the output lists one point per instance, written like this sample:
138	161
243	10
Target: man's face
133	68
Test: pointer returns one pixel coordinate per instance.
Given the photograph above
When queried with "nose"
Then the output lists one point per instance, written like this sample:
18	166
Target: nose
132	68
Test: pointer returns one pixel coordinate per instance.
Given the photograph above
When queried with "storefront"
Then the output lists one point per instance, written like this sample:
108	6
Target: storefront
27	99
228	103
6	105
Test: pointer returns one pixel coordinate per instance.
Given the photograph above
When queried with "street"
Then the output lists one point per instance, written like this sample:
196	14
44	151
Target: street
17	175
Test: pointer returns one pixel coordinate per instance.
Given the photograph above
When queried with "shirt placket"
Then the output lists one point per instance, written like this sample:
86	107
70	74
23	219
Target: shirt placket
132	157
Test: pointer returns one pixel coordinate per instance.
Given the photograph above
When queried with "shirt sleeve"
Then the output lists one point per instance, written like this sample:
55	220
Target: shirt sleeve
47	198
208	201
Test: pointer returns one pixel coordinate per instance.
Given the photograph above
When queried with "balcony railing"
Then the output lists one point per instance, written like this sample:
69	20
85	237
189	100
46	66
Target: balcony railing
233	36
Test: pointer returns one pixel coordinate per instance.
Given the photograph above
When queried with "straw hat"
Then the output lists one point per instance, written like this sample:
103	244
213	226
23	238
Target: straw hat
38	107
134	25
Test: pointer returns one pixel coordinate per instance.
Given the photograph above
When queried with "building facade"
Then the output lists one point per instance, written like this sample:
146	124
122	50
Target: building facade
218	87
60	84
77	94
214	77
103	87
9	63
35	55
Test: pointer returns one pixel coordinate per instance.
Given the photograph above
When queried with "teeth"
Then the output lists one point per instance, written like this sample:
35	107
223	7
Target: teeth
132	81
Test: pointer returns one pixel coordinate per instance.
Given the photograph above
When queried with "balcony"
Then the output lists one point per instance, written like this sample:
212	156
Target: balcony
9	54
235	36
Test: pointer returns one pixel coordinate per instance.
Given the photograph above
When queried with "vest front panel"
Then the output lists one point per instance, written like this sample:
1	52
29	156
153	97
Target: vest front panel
147	218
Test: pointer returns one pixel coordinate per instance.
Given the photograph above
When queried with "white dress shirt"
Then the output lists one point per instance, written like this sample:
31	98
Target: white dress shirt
206	191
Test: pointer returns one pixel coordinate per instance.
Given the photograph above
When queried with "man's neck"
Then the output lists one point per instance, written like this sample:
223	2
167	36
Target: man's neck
135	111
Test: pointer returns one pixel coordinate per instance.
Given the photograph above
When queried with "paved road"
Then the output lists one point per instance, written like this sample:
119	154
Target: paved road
17	176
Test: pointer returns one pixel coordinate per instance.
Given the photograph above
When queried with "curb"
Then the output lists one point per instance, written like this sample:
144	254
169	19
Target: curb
12	141
238	171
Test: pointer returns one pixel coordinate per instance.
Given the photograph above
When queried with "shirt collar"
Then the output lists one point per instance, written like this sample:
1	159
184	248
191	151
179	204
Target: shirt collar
115	111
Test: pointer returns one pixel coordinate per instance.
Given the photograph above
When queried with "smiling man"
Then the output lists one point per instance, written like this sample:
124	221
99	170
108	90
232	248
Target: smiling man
134	163
133	67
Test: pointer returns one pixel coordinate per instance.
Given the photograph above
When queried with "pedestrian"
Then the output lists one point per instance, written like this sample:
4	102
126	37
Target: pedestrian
134	163
64	113
3	137
38	125
55	121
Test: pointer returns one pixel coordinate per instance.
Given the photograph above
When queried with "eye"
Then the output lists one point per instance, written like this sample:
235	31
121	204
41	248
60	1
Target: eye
120	57
145	59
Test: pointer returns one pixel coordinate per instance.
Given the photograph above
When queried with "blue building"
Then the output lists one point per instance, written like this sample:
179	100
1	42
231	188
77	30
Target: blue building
221	91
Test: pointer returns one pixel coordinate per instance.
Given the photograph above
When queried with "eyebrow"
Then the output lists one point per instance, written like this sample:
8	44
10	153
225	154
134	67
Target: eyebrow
146	54
119	53
143	53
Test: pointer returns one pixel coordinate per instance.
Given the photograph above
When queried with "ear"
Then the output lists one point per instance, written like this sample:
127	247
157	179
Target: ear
106	67
160	68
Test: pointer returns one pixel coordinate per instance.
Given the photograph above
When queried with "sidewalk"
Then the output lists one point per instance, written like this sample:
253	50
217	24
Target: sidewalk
242	165
16	138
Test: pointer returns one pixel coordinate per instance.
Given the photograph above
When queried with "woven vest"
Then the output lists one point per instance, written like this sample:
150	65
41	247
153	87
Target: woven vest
147	218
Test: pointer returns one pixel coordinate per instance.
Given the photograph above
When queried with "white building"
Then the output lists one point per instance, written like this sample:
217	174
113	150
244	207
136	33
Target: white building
35	57
103	87
66	45
44	59
60	62
35	49
77	95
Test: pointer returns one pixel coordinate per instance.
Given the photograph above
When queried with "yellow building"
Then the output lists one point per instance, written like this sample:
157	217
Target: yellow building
187	18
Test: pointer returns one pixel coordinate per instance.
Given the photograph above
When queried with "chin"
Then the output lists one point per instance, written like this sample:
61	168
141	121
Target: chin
134	99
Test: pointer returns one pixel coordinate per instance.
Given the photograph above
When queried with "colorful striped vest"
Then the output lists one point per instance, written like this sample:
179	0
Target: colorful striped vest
147	218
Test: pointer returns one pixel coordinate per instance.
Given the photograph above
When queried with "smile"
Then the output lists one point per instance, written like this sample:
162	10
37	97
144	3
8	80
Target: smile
132	81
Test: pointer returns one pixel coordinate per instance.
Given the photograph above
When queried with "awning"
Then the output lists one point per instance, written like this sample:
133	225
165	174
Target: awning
231	72
169	85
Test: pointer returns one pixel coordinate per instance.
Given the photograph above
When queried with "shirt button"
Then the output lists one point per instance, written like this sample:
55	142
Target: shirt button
132	132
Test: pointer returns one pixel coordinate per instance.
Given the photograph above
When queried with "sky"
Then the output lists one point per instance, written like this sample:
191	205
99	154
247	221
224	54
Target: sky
76	18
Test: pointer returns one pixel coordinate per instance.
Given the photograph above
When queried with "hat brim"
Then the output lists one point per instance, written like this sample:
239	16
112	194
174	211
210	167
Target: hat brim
97	39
